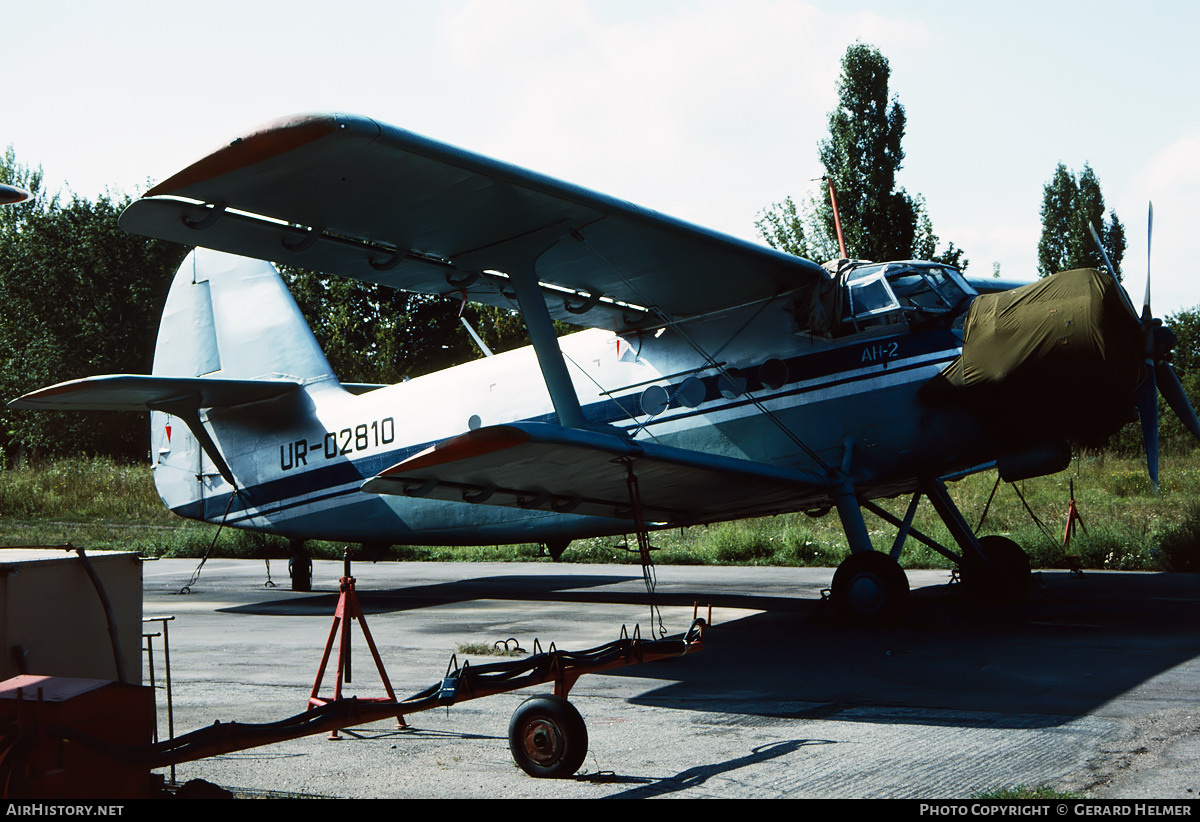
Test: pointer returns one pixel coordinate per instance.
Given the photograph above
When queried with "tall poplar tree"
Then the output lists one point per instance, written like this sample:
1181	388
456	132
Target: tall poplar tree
861	156
1070	204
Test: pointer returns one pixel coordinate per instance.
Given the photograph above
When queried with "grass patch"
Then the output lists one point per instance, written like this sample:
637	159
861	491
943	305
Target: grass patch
1126	526
1023	792
484	649
82	490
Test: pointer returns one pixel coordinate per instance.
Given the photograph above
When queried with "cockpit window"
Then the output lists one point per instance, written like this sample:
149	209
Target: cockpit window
885	294
929	288
870	295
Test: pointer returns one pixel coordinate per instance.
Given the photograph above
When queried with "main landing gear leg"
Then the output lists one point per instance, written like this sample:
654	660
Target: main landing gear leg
868	587
555	548
299	566
992	568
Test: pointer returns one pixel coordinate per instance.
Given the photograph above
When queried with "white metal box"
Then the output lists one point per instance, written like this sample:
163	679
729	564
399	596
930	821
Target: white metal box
52	618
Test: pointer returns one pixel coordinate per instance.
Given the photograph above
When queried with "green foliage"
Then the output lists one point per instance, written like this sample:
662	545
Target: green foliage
22	176
861	157
737	543
90	488
1070	204
1181	542
1023	792
782	227
1185	361
80	297
375	334
485	649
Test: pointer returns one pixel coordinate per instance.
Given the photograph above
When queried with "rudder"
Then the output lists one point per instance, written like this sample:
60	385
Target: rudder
233	317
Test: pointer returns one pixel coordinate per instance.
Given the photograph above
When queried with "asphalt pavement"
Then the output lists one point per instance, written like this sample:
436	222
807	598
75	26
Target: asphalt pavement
1091	684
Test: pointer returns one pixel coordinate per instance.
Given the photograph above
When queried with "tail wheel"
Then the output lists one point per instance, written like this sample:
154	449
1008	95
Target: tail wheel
1005	574
547	737
868	588
300	570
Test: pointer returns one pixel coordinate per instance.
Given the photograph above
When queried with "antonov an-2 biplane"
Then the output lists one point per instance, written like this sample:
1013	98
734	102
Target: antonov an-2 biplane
718	379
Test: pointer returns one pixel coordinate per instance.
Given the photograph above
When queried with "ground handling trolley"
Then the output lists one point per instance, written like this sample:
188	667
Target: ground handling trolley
46	755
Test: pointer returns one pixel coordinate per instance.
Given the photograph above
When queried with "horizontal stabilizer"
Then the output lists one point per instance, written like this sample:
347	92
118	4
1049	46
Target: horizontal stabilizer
572	471
138	392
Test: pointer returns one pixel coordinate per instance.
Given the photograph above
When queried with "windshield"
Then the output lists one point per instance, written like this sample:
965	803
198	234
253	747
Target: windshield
932	288
887	293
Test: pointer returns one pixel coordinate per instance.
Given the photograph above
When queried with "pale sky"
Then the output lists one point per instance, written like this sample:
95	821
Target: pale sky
707	111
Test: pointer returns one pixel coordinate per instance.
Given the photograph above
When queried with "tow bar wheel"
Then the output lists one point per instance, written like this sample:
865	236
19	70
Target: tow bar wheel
547	737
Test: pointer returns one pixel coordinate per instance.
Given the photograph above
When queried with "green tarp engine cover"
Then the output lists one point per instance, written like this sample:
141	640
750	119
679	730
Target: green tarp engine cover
1057	359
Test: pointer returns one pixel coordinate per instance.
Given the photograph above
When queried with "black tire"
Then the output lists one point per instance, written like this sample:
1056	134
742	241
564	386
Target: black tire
1006	575
300	570
547	737
868	588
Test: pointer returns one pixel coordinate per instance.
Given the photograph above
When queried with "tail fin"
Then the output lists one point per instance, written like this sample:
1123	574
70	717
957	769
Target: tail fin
228	320
233	318
231	339
231	335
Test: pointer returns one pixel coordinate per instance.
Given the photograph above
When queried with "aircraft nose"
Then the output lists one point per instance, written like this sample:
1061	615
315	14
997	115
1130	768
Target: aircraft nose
1064	359
1056	360
1163	341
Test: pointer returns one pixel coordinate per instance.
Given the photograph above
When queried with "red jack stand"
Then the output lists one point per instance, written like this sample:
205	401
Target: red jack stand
347	610
1072	518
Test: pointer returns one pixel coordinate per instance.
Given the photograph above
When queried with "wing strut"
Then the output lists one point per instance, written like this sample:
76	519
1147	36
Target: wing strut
188	410
673	322
517	257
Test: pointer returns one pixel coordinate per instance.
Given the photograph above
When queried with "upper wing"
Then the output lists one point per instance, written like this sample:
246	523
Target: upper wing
350	196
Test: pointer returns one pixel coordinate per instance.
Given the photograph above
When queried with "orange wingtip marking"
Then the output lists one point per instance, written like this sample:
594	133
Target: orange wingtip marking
464	446
274	138
10	195
53	390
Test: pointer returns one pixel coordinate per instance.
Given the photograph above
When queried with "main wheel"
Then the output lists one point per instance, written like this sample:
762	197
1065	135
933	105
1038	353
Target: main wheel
300	570
547	737
1005	576
868	588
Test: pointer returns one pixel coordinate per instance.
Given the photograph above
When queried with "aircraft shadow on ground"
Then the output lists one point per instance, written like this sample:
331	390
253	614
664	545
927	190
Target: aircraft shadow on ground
1074	644
532	588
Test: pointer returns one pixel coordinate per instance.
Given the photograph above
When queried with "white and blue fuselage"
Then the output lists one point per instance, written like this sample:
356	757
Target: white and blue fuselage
741	384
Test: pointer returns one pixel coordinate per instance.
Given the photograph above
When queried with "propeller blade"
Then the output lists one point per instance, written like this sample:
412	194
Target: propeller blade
1100	247
1112	272
1147	407
1146	315
1173	393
